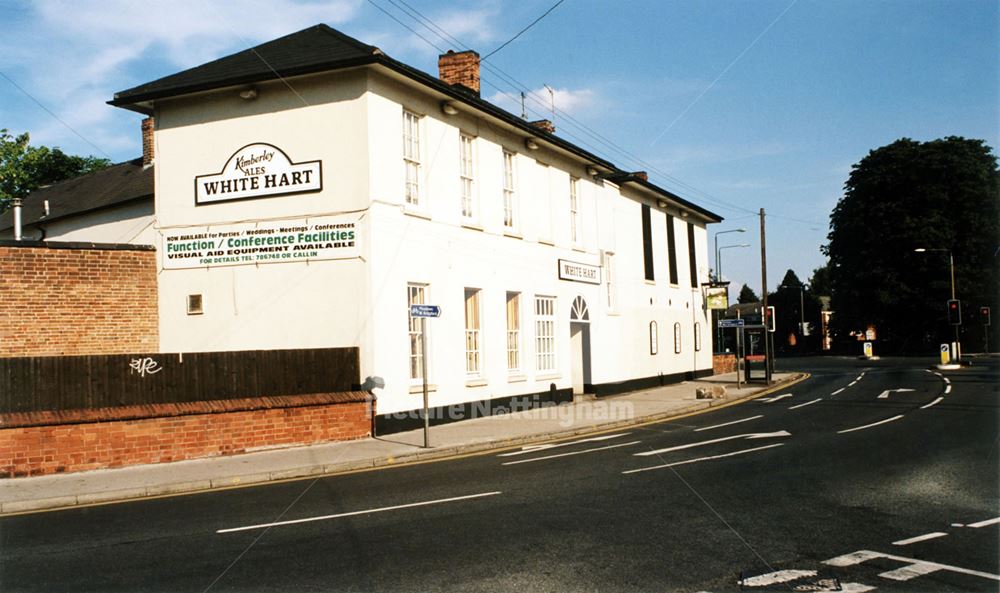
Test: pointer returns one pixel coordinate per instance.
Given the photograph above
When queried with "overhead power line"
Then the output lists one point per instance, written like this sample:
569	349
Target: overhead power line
57	118
521	32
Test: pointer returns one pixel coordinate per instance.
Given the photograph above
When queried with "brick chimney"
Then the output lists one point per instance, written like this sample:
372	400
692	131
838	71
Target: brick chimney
147	141
461	68
544	125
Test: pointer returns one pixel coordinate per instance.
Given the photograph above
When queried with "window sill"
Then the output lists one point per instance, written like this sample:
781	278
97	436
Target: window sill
547	242
472	226
512	234
416	213
650	282
516	378
547	376
420	388
476	382
579	249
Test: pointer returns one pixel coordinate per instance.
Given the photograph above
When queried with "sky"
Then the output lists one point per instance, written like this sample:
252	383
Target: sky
735	105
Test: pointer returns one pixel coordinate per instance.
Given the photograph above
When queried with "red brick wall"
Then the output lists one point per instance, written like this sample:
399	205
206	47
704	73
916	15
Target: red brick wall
723	363
58	301
56	448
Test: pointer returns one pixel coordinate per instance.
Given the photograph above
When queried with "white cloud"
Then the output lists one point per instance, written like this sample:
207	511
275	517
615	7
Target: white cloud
538	103
73	55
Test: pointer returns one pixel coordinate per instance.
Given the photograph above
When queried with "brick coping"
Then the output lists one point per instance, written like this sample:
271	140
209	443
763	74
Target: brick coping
140	412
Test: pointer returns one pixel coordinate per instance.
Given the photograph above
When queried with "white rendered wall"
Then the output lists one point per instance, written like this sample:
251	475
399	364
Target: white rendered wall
276	305
131	223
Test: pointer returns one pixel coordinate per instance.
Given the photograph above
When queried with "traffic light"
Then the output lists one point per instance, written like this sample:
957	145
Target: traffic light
984	315
769	318
954	312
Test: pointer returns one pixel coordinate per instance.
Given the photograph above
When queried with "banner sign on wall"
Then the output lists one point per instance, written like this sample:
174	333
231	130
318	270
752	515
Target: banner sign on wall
256	171
577	272
264	242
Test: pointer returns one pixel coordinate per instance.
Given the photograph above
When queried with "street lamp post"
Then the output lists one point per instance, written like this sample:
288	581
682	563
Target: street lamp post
718	264
957	347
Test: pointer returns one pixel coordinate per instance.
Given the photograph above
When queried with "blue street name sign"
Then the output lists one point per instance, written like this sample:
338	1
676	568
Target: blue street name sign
730	323
425	311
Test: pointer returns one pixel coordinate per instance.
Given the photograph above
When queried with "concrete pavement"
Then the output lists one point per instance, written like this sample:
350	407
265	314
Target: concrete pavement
465	437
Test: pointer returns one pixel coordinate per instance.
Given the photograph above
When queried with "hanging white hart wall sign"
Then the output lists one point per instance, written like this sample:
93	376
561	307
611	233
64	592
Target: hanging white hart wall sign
255	171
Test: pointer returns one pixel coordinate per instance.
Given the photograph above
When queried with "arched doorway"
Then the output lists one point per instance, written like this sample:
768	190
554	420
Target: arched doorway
579	339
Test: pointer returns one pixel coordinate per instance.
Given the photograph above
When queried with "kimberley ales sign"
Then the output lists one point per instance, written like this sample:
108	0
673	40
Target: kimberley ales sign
255	171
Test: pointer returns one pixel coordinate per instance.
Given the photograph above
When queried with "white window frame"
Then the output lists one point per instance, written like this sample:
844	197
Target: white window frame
654	339
697	337
509	192
416	294
411	159
611	280
513	308
473	333
545	334
677	338
574	211
467	175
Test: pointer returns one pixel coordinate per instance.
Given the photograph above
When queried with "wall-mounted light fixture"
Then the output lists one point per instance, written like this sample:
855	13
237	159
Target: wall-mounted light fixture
448	108
684	213
531	144
592	171
661	204
248	94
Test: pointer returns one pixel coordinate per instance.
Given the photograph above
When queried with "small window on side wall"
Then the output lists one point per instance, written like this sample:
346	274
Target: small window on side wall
654	339
677	338
194	304
697	337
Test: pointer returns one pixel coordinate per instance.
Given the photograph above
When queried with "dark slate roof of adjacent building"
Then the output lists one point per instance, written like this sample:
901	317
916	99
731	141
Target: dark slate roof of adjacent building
321	48
112	186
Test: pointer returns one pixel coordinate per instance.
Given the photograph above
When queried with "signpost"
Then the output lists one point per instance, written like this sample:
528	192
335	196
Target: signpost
727	323
423	312
868	350
945	354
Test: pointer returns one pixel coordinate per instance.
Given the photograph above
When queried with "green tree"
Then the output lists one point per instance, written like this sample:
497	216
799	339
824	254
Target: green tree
942	194
747	295
819	283
25	168
795	303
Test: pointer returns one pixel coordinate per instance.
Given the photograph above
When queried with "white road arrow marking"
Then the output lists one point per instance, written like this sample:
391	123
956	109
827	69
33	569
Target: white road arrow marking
771	400
536	448
885	394
753	435
700	459
915	567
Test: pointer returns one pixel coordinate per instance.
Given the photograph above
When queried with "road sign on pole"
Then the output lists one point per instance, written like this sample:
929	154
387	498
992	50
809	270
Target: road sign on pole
724	323
424	312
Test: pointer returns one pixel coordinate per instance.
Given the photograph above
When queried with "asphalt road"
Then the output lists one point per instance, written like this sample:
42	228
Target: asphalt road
831	485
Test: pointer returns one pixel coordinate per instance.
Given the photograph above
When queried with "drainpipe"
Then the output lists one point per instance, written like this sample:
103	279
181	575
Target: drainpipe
17	219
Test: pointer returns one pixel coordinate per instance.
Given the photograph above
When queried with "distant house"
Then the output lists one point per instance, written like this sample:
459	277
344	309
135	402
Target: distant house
113	205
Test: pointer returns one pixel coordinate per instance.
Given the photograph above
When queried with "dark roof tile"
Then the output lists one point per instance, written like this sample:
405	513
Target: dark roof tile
108	187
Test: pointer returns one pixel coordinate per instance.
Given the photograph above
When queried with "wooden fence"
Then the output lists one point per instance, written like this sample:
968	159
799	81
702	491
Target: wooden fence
52	383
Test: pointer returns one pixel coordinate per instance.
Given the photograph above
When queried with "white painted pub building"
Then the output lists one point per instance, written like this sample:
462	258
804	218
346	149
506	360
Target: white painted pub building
309	190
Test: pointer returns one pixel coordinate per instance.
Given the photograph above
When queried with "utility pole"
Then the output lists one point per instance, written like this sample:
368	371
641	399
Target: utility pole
768	364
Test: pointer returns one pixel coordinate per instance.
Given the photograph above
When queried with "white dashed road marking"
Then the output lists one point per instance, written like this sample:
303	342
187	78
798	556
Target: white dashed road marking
729	423
536	448
919	538
755	435
354	513
733	454
819	399
925	406
984	523
571	453
887	420
838	391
